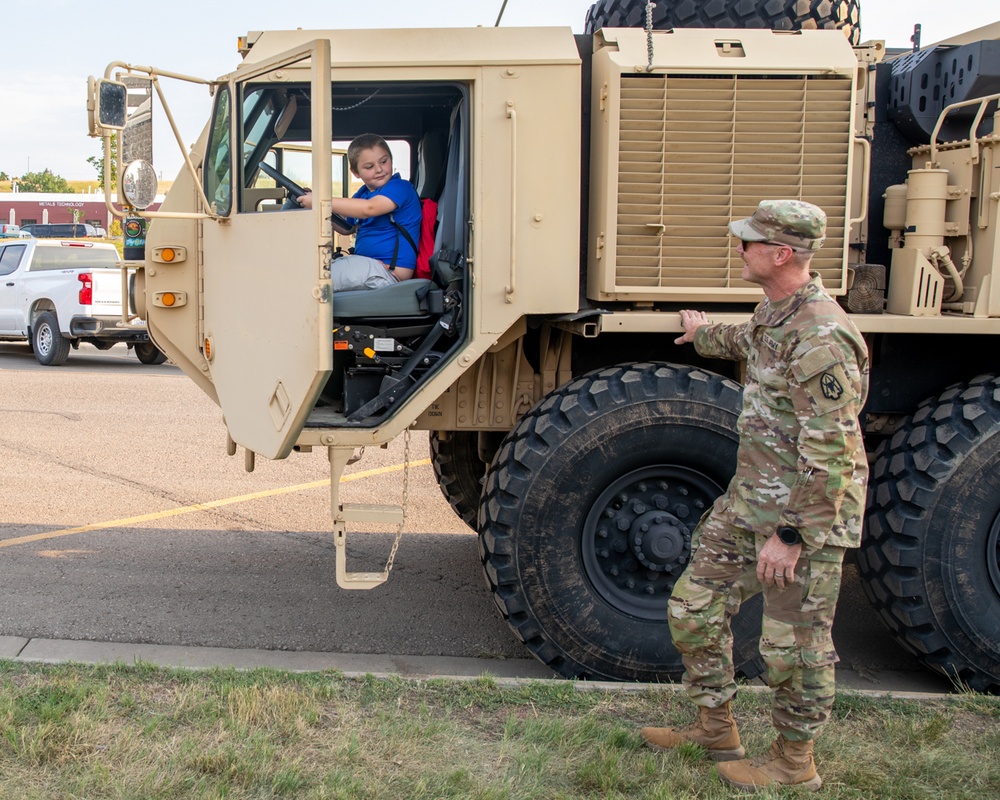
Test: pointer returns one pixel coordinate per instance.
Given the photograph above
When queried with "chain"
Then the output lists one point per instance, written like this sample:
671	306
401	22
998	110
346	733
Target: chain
359	103
406	492
649	35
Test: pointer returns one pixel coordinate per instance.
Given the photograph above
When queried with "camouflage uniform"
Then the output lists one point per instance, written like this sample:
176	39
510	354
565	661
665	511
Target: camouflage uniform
801	462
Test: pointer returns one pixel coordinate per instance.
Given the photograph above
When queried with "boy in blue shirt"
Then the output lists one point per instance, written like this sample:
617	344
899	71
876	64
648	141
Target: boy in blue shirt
382	254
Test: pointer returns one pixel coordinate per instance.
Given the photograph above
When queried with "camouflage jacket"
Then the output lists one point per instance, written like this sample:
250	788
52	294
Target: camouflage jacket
801	459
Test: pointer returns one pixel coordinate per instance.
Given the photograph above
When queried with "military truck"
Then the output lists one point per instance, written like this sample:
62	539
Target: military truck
584	185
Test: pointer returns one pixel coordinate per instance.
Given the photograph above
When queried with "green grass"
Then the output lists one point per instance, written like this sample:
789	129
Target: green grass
149	733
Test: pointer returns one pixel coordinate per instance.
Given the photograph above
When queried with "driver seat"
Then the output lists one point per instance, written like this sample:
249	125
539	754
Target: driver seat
413	297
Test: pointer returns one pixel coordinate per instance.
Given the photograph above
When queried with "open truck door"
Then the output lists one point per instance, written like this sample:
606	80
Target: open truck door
267	303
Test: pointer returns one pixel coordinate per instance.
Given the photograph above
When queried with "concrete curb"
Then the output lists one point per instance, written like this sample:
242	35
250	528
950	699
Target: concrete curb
508	673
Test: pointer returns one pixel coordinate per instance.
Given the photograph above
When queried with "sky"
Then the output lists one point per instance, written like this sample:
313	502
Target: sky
50	48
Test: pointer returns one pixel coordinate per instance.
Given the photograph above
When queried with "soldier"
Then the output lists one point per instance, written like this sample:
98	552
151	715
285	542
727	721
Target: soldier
792	508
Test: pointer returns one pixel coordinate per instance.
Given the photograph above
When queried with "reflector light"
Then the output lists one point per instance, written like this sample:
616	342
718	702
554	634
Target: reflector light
208	348
168	299
168	254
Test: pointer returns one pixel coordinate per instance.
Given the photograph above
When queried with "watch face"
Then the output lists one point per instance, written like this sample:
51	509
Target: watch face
789	535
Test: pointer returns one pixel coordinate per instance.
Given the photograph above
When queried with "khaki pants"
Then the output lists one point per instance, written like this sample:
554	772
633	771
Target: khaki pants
353	272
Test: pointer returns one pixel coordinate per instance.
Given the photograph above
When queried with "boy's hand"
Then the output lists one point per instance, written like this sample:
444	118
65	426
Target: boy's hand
691	320
306	200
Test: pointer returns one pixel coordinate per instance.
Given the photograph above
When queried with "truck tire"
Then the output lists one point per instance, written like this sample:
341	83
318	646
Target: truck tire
781	15
930	560
149	353
459	471
50	348
618	454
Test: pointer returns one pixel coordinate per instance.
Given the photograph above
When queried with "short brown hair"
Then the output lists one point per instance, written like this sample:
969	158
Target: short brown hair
366	141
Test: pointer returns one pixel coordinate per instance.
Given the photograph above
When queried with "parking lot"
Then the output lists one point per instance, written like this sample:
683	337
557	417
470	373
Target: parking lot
123	520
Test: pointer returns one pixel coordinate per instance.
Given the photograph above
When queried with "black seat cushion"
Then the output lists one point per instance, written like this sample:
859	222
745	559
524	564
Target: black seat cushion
399	300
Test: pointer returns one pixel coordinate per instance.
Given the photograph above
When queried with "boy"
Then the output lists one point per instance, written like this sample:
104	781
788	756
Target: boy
382	255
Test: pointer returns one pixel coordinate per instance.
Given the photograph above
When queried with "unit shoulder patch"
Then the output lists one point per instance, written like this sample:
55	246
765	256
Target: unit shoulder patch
831	386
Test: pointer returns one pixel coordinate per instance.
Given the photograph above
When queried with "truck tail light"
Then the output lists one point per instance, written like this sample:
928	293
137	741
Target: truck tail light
87	289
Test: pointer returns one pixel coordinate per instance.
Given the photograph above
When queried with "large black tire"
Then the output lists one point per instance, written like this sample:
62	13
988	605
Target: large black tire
780	15
930	558
149	353
587	515
459	471
51	349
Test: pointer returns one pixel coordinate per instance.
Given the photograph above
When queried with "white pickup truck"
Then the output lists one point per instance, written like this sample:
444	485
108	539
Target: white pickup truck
57	293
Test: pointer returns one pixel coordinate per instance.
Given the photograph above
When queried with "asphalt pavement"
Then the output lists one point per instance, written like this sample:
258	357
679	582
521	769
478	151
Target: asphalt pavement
127	534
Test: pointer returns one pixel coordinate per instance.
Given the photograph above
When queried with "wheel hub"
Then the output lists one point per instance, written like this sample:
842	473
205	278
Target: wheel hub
659	540
637	536
45	340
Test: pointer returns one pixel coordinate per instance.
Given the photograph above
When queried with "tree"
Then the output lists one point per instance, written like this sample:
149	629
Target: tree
4	176
44	181
97	162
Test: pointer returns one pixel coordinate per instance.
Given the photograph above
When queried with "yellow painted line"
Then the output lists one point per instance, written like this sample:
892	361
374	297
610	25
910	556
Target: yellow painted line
228	501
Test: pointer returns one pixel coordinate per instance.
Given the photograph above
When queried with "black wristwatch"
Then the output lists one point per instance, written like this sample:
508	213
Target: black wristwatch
789	535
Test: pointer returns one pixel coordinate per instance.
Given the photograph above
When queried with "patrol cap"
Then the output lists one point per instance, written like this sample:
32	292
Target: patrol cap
792	222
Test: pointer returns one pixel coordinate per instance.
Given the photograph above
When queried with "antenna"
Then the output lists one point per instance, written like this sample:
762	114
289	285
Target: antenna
500	15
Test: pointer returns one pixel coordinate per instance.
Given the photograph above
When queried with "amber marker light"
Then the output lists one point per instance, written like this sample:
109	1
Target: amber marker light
168	299
168	254
208	348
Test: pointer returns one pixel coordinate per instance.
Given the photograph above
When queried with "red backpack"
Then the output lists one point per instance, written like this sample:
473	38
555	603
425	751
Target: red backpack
428	225
428	232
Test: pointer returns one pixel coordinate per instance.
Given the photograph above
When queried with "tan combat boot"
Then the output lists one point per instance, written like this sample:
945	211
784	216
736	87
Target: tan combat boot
714	729
786	763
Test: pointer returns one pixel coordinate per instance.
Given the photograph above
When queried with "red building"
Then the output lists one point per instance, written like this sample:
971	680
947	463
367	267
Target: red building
28	208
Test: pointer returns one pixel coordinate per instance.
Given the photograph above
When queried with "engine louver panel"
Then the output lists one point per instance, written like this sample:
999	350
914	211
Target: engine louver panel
697	152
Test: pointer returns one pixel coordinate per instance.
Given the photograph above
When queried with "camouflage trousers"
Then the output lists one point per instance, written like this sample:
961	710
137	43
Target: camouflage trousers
796	643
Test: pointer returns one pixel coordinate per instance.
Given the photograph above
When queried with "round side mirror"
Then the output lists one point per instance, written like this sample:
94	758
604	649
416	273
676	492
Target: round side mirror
139	184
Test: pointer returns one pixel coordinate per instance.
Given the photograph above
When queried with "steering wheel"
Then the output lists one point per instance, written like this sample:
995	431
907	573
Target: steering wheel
295	192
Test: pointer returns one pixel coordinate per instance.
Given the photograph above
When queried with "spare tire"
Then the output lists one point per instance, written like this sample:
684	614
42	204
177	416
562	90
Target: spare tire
779	15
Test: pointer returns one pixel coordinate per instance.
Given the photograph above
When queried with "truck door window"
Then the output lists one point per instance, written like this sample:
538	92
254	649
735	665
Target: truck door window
218	163
10	257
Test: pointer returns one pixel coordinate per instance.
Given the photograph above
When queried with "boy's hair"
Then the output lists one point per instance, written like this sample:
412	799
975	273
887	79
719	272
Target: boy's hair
366	141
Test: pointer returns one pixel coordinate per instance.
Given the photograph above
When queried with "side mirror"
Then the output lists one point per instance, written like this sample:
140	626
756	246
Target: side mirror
139	184
107	105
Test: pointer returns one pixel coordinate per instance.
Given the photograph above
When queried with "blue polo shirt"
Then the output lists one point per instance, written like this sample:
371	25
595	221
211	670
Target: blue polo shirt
376	237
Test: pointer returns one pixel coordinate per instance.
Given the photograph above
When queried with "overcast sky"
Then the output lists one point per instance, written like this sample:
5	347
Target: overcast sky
51	47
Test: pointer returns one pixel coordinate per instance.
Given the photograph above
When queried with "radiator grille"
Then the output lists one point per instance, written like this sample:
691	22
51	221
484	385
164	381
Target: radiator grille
697	152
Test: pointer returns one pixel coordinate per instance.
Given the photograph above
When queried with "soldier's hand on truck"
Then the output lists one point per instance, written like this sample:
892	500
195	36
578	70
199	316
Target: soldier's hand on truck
691	320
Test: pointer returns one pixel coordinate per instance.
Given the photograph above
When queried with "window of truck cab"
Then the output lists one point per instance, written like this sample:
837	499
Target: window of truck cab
275	129
10	258
218	171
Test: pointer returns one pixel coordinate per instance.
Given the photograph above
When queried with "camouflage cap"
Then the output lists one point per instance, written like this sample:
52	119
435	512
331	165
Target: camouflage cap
792	222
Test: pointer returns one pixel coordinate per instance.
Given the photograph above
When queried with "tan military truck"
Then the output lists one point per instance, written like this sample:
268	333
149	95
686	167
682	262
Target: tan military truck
584	185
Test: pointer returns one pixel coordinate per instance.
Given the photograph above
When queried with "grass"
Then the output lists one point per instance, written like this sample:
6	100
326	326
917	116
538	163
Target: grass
149	733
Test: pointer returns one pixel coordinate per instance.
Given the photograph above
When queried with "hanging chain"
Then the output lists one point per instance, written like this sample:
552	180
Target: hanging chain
359	103
406	492
649	35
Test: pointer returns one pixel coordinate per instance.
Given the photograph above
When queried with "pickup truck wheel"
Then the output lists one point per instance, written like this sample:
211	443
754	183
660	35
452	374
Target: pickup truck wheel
587	514
149	353
459	471
782	15
930	560
51	349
